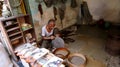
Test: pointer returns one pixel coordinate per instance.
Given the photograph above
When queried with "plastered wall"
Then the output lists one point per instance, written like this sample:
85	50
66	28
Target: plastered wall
106	9
38	20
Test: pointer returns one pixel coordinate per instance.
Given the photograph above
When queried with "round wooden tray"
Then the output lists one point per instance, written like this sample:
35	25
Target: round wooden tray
81	60
62	52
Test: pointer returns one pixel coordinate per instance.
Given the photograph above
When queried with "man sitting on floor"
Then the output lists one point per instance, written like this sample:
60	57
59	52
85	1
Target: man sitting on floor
49	36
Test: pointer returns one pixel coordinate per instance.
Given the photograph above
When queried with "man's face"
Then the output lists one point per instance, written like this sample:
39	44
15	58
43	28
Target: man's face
51	25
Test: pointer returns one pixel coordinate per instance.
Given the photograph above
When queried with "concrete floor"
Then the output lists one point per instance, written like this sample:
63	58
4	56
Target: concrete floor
90	41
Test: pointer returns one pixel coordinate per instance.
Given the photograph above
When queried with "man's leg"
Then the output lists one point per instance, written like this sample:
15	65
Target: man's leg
46	44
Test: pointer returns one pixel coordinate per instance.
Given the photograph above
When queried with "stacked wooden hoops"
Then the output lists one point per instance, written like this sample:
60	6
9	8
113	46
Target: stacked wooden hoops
72	60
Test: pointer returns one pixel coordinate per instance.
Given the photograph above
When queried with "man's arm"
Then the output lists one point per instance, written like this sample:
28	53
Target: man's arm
46	38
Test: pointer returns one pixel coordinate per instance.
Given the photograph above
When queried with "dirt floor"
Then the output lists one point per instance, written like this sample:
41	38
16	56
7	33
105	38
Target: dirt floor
90	41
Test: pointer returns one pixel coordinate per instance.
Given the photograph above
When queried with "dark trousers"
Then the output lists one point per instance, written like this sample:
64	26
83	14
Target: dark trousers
47	44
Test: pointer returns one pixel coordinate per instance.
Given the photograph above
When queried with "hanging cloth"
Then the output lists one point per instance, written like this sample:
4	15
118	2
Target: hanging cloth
55	12
73	3
40	9
86	13
48	3
62	9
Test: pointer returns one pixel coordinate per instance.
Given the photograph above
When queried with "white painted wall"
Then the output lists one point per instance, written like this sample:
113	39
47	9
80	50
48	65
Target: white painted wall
107	9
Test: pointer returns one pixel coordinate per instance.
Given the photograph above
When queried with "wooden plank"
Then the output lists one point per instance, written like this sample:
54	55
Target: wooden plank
13	17
16	38
11	24
15	34
12	29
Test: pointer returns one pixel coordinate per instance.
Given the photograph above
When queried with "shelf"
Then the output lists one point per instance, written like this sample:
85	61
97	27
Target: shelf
16	38
11	24
12	29
27	29
32	40
14	34
13	17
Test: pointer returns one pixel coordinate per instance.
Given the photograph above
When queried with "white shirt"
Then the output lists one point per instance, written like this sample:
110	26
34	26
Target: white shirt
45	32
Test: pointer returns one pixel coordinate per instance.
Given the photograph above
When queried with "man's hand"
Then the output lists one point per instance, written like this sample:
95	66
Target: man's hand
52	37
